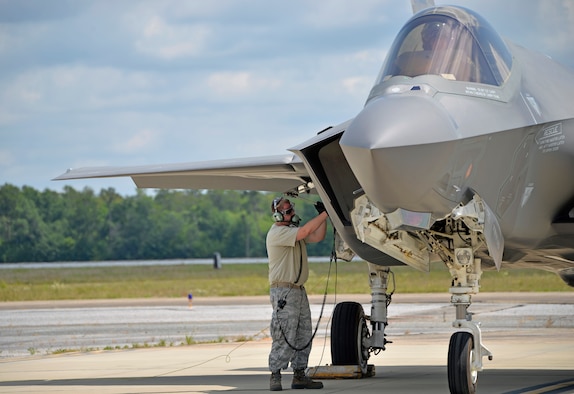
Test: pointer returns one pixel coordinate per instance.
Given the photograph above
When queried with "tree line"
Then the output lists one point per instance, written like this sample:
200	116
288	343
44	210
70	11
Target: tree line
84	225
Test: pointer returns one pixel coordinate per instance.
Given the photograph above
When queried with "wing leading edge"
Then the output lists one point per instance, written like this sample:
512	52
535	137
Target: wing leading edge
278	173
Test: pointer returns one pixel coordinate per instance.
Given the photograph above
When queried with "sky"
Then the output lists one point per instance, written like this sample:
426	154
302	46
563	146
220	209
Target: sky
102	83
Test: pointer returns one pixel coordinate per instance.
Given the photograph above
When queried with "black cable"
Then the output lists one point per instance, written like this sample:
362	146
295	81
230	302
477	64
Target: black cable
333	258
318	321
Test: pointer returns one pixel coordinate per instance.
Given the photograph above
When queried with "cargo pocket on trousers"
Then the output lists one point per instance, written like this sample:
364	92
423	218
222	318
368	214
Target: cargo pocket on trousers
279	325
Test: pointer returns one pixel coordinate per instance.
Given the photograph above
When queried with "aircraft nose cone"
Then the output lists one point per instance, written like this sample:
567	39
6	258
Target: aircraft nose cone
398	148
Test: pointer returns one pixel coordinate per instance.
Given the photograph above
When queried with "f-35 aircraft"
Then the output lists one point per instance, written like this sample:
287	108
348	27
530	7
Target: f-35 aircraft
463	153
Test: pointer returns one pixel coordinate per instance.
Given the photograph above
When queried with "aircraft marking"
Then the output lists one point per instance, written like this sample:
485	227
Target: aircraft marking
482	92
526	195
550	138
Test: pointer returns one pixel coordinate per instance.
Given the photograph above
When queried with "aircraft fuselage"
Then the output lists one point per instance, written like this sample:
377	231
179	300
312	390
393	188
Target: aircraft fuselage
426	143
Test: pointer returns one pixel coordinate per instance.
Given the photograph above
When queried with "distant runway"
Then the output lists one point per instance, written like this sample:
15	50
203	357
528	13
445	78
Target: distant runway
531	336
31	328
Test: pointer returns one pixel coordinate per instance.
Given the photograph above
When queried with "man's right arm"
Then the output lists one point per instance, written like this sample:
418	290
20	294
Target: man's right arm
311	226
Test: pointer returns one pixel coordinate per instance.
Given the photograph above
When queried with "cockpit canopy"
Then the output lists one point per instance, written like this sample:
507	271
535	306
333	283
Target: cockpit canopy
454	43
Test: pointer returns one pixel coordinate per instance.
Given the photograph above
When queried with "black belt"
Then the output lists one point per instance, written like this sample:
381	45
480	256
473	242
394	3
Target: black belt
286	285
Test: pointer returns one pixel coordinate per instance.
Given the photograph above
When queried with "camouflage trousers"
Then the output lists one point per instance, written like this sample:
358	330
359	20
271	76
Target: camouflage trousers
290	325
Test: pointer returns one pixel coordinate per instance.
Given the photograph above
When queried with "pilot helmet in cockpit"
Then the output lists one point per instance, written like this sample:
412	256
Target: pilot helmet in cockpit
435	32
455	44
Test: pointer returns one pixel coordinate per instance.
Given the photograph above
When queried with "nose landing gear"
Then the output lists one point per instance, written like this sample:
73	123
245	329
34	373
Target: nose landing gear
465	351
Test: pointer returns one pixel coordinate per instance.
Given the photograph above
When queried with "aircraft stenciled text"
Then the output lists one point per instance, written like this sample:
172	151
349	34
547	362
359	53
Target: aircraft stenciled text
551	138
482	92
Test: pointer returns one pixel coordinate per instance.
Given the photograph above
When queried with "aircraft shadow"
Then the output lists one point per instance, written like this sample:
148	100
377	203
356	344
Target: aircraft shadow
396	379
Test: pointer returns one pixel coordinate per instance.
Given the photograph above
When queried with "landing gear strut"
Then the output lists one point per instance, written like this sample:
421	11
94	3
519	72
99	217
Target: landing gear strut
465	351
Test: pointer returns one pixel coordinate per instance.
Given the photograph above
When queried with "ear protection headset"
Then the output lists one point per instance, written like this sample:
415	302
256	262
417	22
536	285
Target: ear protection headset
277	216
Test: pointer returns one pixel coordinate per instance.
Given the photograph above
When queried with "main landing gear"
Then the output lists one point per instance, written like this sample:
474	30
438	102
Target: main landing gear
351	340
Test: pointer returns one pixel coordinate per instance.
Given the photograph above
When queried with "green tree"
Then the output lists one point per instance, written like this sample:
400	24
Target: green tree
167	224
23	236
86	213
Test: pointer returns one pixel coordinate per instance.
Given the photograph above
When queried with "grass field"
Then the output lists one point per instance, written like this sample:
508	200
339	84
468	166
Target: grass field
239	280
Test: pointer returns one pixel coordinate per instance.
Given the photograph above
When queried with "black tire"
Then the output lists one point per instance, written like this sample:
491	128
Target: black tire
348	330
462	379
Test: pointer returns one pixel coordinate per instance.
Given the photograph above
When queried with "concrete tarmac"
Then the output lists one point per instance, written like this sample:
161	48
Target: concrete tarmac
531	337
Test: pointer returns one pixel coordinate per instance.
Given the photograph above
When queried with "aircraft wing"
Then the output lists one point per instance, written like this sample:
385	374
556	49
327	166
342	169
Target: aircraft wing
278	173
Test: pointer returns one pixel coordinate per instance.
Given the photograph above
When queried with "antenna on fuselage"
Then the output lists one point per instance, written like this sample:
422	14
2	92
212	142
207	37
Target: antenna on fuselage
421	5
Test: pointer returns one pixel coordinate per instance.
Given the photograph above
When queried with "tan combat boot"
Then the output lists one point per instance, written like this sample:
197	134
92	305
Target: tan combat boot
275	381
302	381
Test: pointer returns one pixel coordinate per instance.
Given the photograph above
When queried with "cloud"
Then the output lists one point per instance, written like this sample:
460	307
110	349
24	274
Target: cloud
142	82
168	42
240	83
344	13
6	158
143	140
38	10
72	87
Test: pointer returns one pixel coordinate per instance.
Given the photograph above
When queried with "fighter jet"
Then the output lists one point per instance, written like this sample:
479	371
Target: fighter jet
463	154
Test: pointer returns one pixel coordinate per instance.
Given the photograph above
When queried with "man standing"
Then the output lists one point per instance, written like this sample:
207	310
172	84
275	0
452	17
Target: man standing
291	328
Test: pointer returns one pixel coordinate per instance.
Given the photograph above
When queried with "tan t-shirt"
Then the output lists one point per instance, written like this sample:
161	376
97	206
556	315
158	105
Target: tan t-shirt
286	255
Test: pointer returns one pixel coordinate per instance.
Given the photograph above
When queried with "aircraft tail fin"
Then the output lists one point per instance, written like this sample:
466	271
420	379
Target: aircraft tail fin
421	5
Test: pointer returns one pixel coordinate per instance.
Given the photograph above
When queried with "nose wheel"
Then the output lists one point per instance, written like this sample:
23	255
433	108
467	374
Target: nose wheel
462	376
465	351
